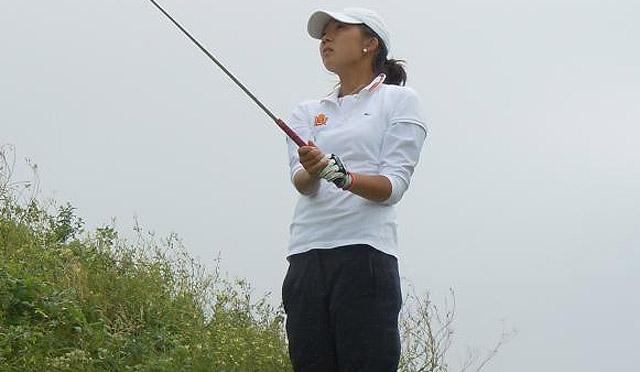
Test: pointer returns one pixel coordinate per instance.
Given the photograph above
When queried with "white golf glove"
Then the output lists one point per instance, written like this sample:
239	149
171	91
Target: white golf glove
336	172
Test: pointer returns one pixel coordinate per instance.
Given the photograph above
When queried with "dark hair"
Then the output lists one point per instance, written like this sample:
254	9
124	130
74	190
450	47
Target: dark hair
393	68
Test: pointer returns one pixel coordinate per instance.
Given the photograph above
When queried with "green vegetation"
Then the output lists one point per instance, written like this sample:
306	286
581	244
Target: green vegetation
72	300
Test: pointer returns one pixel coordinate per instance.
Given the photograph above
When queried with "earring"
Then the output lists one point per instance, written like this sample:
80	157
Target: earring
364	51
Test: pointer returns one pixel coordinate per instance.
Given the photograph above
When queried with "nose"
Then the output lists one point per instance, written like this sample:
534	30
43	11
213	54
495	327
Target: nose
326	36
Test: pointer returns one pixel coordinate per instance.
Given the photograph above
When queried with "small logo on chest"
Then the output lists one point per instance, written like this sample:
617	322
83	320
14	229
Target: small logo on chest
321	119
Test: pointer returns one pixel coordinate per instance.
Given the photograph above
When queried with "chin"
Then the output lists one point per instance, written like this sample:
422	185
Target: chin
329	66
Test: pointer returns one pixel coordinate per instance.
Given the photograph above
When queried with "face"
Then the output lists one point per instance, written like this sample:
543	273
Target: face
341	46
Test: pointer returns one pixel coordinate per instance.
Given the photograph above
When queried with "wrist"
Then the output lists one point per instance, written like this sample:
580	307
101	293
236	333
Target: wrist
351	181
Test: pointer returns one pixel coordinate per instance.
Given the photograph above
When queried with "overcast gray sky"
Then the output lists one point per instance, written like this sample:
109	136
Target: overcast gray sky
525	202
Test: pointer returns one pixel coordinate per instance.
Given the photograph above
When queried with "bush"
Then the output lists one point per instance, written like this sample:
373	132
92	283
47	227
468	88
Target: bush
77	301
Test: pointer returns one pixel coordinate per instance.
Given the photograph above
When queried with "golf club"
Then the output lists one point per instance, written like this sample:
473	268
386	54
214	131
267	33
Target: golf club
278	121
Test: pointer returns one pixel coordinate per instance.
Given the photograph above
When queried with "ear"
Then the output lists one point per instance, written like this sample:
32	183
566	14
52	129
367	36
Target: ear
372	44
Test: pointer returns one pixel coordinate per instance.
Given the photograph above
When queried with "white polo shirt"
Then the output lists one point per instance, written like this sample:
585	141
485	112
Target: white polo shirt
378	131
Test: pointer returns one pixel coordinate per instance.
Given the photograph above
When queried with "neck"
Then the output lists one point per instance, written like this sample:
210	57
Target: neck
353	81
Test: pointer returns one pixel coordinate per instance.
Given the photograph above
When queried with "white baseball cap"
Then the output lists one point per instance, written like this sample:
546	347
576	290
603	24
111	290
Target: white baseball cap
352	15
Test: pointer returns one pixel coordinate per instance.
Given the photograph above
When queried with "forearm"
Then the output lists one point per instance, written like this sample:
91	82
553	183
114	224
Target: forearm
305	183
375	188
317	166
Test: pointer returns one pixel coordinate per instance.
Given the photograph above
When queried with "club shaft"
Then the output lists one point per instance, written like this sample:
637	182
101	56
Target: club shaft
278	121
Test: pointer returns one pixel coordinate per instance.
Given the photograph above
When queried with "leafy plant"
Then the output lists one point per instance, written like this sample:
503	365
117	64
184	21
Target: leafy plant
72	300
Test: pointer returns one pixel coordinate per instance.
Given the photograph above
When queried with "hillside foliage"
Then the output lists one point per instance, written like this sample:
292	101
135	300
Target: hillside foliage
72	300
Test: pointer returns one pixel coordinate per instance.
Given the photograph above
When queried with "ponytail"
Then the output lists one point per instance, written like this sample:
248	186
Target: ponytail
393	68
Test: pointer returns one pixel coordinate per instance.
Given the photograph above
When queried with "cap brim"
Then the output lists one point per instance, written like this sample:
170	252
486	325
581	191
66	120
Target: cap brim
319	19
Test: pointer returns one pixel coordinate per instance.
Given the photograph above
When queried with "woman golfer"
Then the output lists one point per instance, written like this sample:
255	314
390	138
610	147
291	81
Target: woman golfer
342	292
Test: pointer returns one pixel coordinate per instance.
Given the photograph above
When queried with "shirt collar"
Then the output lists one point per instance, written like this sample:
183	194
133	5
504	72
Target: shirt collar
373	85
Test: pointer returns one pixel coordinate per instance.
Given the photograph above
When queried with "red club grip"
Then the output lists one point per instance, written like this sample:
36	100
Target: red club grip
290	133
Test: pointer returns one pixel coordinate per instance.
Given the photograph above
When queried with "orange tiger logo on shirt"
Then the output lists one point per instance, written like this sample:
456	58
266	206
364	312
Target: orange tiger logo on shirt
321	119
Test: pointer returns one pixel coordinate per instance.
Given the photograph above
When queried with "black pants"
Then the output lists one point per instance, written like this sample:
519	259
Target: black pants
342	307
